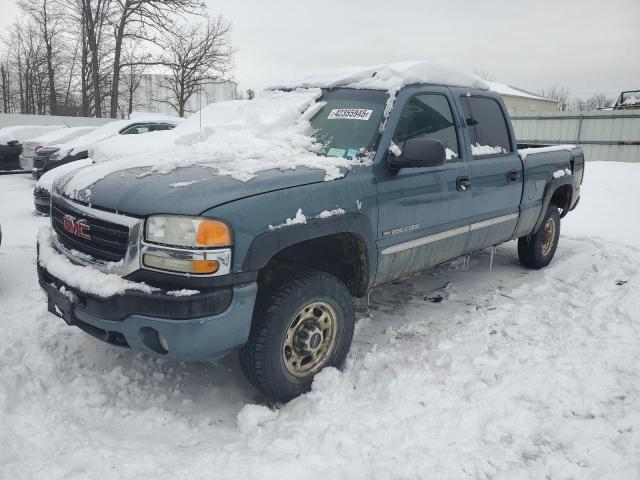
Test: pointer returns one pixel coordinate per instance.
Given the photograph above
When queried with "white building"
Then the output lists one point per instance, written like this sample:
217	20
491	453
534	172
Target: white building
520	102
152	90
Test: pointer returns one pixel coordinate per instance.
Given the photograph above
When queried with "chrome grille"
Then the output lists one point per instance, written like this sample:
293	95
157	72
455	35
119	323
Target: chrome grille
107	241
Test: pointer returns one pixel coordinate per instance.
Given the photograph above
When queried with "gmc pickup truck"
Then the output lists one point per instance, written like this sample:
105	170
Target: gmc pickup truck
186	261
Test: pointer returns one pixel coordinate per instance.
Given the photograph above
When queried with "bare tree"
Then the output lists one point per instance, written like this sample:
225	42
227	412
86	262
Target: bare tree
137	20
94	14
199	56
251	93
558	93
483	74
599	100
46	15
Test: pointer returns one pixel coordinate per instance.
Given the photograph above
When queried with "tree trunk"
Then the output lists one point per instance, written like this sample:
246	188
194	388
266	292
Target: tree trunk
115	83
84	70
53	103
95	65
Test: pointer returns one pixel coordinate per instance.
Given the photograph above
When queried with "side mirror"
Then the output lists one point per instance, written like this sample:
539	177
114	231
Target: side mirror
417	153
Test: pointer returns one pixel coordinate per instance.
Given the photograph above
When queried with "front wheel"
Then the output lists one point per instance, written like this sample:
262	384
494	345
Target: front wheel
537	250
300	326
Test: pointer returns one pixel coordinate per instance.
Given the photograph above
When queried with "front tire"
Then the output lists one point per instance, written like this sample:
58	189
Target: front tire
299	327
537	250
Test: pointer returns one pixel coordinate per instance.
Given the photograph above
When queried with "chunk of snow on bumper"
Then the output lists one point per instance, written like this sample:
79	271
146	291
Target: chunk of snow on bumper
85	278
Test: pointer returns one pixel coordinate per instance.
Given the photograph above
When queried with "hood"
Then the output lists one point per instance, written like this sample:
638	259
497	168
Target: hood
184	191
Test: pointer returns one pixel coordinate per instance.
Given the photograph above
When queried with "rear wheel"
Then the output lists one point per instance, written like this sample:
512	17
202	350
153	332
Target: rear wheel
537	250
300	326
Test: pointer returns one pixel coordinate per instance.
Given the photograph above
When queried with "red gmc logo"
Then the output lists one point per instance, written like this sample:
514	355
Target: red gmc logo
76	227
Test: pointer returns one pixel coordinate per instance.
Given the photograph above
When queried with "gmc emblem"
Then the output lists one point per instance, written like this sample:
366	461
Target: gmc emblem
76	227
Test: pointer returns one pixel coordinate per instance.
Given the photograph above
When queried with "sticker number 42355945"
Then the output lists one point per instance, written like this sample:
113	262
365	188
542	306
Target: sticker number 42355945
350	114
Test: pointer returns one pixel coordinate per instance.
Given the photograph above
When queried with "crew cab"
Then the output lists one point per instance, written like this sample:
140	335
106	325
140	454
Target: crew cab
269	249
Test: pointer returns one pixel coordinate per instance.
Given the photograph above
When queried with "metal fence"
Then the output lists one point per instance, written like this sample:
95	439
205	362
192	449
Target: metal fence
603	135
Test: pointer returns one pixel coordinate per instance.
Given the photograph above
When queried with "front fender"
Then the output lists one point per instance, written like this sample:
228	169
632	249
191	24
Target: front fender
266	245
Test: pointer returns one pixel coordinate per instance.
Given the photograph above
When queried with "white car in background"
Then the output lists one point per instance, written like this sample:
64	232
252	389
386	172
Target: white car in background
127	143
30	147
50	157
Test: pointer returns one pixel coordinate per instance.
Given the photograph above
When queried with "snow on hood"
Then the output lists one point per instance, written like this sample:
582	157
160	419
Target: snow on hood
61	135
46	180
237	138
391	77
25	132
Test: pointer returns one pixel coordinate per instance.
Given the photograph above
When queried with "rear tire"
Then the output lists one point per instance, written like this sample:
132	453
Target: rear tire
299	327
537	250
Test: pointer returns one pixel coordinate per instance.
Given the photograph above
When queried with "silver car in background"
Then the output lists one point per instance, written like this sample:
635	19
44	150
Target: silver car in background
30	147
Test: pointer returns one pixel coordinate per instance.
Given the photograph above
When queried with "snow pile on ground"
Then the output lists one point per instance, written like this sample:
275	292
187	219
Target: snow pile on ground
237	138
524	152
478	150
391	77
456	373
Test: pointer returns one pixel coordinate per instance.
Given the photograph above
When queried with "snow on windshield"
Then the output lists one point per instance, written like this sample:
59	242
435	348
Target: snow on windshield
236	138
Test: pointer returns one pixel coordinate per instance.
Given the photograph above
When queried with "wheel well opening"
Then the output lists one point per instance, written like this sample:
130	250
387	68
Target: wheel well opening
562	198
343	255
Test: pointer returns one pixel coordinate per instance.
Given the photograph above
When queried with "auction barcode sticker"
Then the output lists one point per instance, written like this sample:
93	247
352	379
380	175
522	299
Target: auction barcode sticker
350	114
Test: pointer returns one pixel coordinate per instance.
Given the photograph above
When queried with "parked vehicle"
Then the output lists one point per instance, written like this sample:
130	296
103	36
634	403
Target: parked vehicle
30	147
628	100
50	157
42	189
196	261
11	139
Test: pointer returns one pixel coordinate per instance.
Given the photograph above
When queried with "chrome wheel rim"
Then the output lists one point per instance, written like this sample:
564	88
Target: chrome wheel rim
549	233
310	339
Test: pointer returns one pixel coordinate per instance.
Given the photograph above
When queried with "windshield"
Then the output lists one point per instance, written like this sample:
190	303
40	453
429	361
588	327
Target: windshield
349	121
631	98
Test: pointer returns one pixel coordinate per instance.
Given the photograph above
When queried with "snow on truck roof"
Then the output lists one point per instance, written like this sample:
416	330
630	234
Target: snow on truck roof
391	77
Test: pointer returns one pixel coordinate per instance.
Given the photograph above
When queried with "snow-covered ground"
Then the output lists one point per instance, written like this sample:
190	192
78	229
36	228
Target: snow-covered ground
455	373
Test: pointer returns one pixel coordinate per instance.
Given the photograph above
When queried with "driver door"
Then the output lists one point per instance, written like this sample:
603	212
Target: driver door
422	211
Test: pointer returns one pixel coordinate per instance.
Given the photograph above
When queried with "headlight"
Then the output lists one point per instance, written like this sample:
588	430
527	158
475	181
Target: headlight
187	245
54	157
189	232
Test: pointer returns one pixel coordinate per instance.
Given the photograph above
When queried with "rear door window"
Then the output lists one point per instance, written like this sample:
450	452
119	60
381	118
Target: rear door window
137	129
428	116
487	127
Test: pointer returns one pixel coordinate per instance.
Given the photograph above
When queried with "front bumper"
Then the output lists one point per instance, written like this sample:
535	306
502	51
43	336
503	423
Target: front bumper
26	163
195	328
42	201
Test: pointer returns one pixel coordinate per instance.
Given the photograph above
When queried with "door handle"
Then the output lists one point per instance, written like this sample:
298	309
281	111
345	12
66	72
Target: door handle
462	183
513	176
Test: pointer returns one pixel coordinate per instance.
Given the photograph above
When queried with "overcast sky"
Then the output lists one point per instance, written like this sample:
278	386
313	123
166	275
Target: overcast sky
586	45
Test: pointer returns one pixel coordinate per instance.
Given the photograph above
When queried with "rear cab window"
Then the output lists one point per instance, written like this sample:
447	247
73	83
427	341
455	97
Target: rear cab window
487	126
